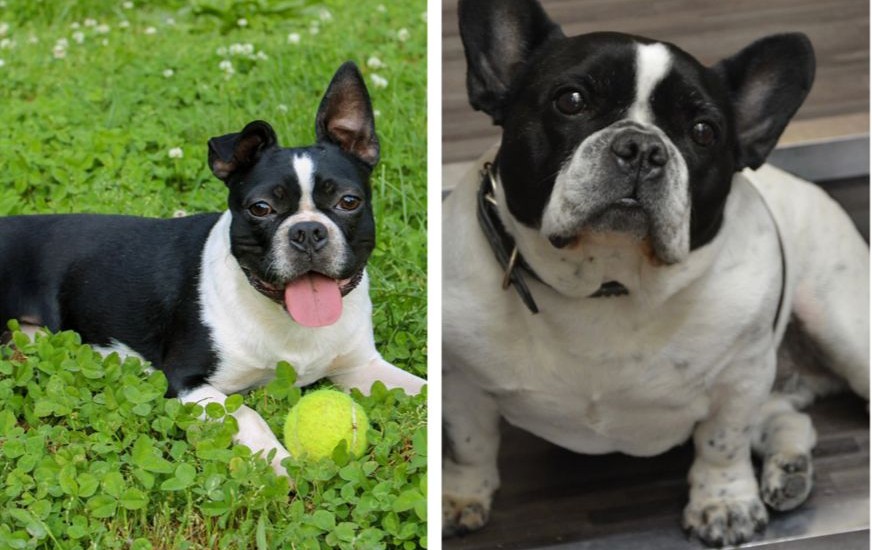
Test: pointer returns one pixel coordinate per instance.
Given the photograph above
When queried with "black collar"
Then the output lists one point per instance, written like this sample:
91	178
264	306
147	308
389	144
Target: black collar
506	250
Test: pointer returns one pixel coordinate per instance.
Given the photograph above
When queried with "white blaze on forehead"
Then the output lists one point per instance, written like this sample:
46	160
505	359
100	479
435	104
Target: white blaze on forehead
653	62
305	169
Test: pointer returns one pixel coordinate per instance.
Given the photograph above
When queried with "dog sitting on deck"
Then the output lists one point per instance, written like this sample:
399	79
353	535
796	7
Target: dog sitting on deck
653	272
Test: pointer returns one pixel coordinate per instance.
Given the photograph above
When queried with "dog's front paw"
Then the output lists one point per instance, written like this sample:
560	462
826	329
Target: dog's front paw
462	514
725	522
276	462
786	480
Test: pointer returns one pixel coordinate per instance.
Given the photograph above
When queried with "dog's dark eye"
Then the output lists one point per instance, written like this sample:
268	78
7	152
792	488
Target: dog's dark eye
349	203
703	133
570	102
260	209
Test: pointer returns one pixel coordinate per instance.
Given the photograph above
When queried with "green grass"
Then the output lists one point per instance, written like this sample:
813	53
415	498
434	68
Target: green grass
91	454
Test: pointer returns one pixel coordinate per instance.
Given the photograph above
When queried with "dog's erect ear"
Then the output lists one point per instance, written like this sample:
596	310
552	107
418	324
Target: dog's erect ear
498	39
767	82
345	116
231	153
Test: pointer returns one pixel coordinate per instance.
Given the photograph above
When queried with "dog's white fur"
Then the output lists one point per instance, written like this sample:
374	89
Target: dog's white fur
653	62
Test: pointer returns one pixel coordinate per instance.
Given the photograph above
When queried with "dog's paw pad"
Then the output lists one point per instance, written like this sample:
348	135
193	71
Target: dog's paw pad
727	522
462	515
786	480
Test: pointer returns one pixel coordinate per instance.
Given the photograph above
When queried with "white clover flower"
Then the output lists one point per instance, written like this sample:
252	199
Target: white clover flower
6	44
179	214
2	63
325	15
170	22
261	55
124	24
104	42
150	30
378	81
313	28
59	52
294	38
2	3
375	63
222	51
168	73
176	153
33	39
75	25
227	66
78	37
242	22
90	22
282	108
376	113
4	28
127	5
403	34
102	29
242	49
381	8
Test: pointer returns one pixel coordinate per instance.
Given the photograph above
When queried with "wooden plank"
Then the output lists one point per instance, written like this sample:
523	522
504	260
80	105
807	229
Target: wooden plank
551	496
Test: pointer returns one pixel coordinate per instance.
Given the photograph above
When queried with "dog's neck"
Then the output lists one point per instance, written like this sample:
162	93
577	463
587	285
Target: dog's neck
581	270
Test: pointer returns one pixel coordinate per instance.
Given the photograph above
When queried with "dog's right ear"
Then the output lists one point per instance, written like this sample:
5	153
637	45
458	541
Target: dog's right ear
231	153
498	39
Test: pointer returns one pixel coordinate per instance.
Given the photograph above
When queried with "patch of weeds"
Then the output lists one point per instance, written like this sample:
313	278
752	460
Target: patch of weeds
93	455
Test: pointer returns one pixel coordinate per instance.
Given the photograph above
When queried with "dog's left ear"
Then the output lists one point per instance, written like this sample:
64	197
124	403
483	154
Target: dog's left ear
345	116
767	82
231	153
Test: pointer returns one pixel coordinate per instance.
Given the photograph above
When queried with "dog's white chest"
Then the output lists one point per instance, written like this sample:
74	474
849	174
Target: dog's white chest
251	335
637	399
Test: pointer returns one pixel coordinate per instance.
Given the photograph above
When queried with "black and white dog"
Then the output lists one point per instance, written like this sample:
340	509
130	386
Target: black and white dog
653	277
216	300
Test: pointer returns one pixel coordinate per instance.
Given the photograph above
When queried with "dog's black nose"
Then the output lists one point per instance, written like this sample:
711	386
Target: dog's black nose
308	236
640	153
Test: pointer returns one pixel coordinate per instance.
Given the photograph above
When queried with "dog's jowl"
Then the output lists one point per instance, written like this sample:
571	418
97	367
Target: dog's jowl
216	300
620	274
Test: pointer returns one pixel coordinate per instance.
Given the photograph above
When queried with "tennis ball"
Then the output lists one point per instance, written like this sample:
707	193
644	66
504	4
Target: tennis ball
321	420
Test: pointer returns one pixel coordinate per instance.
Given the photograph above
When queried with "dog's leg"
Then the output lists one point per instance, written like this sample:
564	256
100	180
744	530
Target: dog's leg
378	369
29	330
253	430
469	467
725	506
784	438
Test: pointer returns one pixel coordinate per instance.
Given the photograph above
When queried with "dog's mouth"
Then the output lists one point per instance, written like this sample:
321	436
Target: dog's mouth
627	202
312	299
624	215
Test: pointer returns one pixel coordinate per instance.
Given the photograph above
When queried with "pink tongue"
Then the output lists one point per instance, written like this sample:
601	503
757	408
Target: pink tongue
313	300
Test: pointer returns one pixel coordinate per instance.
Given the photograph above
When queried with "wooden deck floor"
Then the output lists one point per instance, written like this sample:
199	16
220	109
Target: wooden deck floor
555	498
